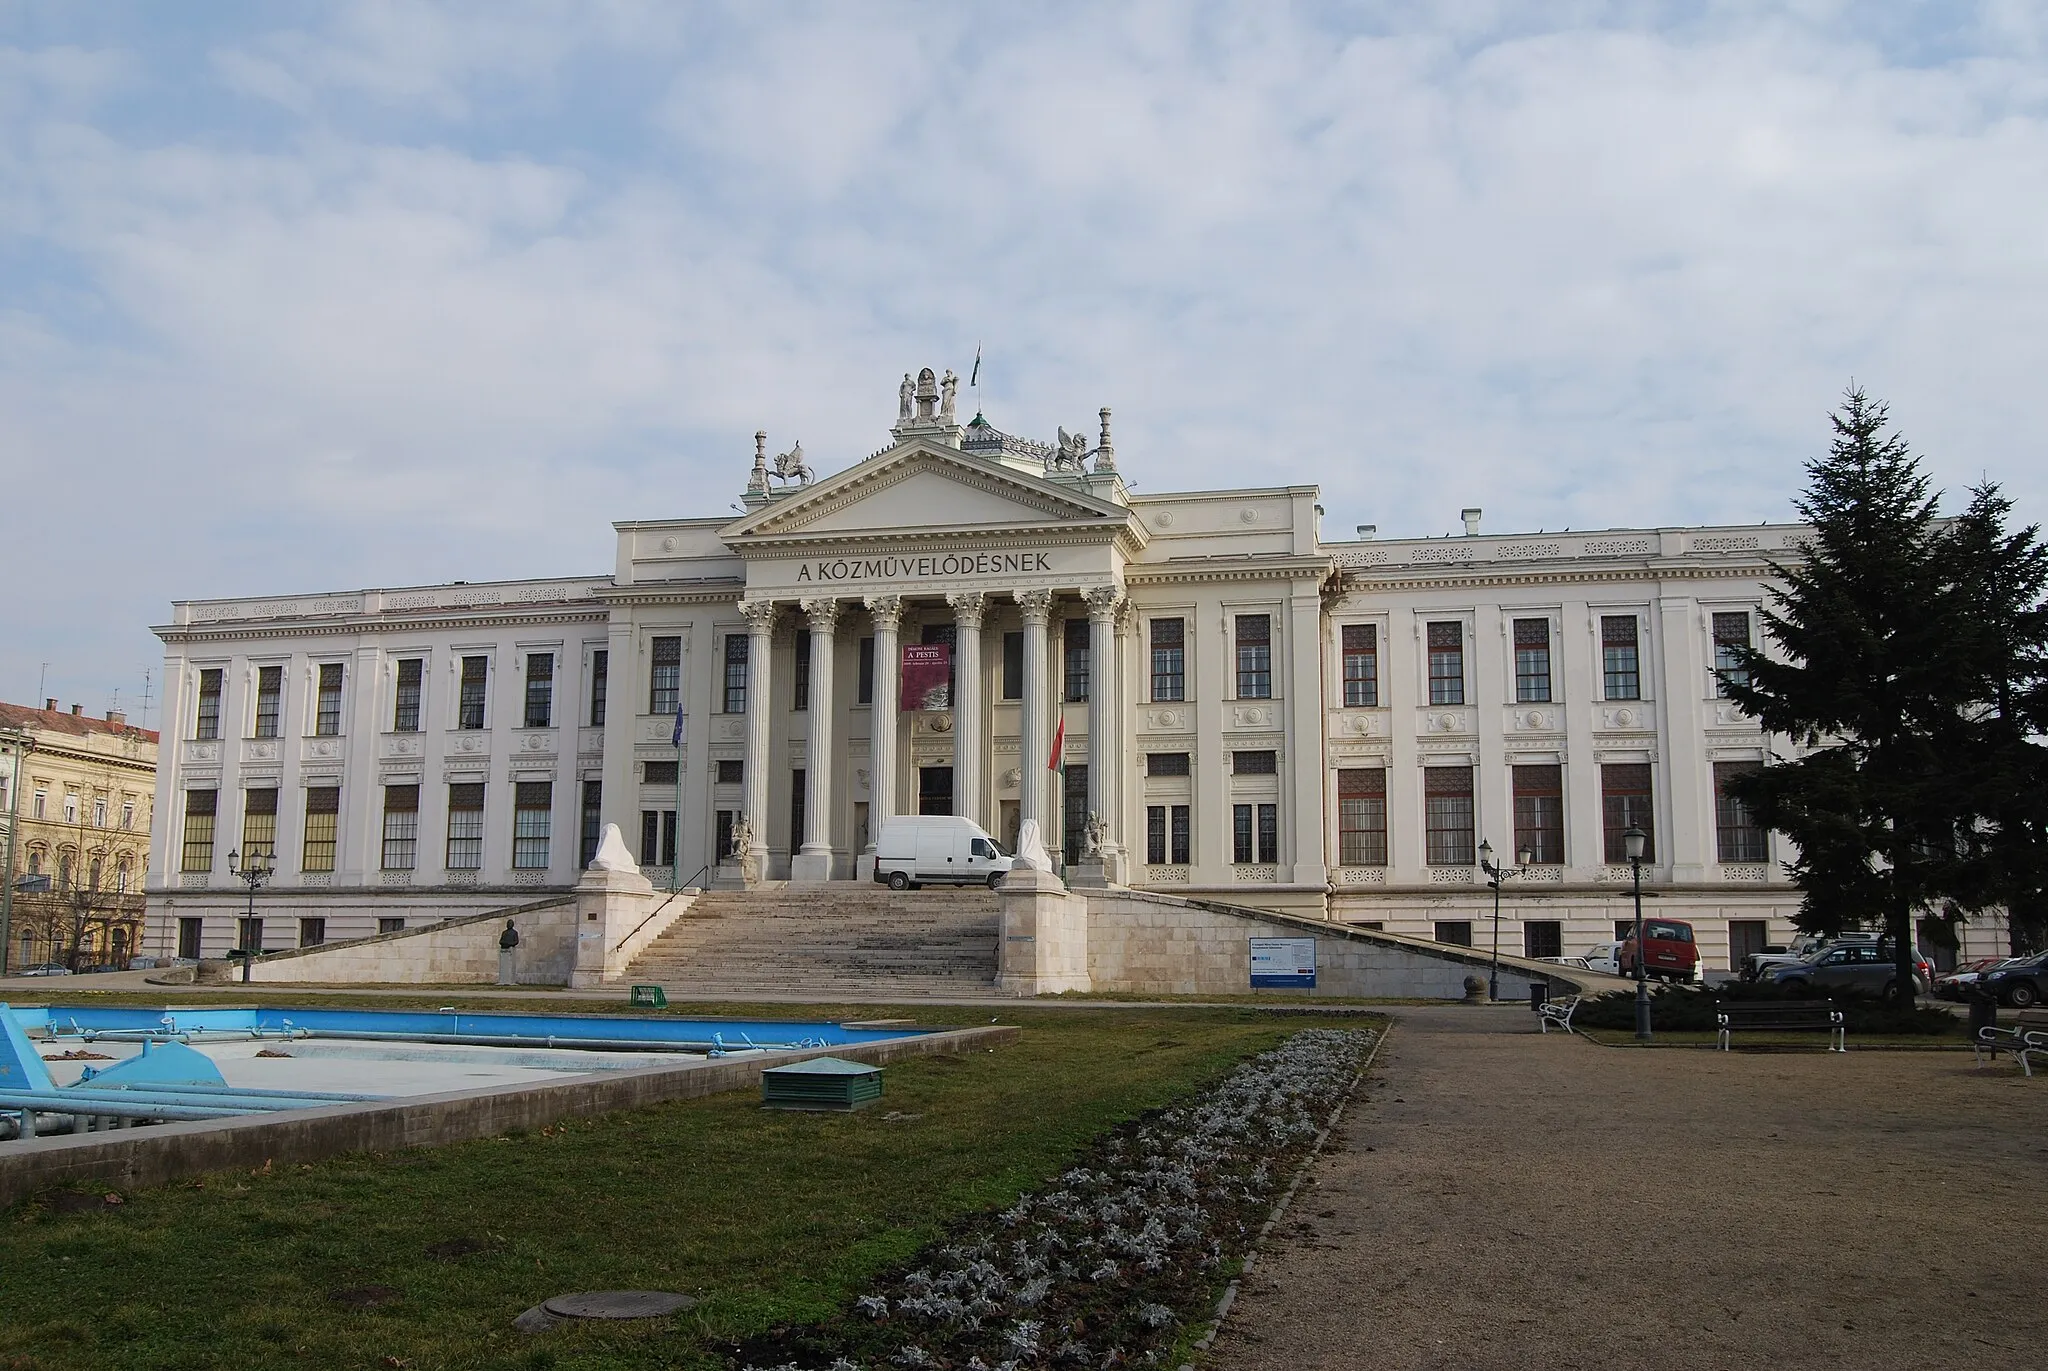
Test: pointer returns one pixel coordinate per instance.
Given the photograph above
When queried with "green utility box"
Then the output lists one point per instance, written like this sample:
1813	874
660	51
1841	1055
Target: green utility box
821	1083
648	997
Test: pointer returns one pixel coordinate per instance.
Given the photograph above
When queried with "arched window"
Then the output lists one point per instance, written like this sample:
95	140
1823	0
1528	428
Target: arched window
121	876
64	870
35	861
93	874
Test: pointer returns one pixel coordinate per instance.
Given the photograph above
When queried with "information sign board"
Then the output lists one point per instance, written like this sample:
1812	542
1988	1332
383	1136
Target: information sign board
1284	962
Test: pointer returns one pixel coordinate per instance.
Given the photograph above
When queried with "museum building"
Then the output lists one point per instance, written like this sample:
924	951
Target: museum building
971	622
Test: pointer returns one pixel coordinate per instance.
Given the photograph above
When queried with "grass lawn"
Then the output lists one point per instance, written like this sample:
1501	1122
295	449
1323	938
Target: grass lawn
422	1259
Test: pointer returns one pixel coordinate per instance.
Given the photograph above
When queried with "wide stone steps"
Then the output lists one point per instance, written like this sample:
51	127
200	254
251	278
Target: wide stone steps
842	939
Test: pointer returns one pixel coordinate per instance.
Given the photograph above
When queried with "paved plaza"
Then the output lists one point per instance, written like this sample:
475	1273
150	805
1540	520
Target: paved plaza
1495	1198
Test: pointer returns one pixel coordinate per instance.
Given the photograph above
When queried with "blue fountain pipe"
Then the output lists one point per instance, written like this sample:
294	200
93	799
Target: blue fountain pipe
208	1088
67	1102
253	1103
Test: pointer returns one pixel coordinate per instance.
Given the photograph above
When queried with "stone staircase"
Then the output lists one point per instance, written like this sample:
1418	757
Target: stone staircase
845	939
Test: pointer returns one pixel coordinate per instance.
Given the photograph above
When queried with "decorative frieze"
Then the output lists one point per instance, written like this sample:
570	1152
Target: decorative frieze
1361	875
1255	875
1167	875
1745	873
1453	875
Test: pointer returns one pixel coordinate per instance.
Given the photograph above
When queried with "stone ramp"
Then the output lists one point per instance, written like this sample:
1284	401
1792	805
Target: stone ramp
843	939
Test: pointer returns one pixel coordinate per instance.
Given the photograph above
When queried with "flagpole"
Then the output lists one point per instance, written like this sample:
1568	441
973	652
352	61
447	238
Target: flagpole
675	866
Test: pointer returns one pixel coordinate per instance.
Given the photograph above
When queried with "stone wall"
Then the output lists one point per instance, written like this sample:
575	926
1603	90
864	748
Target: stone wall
1164	944
457	951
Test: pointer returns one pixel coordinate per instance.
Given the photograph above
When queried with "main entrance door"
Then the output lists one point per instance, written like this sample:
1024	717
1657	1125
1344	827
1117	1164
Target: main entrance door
935	790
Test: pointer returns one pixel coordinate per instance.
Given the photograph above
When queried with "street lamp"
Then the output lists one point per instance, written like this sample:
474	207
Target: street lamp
1494	876
1633	840
252	874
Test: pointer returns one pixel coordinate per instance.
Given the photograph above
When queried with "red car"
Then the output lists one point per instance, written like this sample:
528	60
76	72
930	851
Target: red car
1672	956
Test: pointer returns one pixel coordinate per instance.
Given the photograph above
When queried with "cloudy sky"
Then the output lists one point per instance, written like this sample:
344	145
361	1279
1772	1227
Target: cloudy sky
320	296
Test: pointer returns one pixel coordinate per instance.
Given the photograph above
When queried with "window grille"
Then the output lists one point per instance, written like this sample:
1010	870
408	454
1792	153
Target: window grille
532	822
1539	813
1741	837
1255	763
1013	666
1166	764
1447	664
1167	835
800	688
199	815
469	708
665	673
1362	816
207	726
1532	661
1447	815
735	673
731	772
658	773
593	822
327	702
864	673
600	685
540	689
1254	657
1255	833
323	819
1169	659
1731	637
259	823
1361	666
465	826
657	837
1625	801
401	827
405	711
269	700
1077	660
1621	666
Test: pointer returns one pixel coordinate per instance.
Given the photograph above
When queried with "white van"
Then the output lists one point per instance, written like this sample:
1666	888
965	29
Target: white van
937	849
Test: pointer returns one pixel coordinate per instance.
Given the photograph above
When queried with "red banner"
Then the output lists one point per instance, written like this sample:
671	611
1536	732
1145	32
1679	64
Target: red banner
926	675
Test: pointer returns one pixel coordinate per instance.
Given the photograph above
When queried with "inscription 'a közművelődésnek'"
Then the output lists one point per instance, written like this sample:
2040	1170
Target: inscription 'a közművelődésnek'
925	567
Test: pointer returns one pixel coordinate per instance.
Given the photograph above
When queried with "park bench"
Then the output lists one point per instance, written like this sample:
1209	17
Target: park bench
1780	1016
2028	1035
1557	1012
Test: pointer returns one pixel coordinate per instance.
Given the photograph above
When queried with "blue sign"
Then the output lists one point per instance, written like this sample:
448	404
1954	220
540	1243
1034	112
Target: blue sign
1288	963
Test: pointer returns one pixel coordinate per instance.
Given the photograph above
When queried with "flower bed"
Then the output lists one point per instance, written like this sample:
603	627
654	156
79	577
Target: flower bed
1114	1261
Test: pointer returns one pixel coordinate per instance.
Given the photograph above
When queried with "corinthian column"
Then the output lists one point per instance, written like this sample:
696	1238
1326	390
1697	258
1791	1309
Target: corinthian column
754	770
968	742
1102	707
814	863
887	613
1032	742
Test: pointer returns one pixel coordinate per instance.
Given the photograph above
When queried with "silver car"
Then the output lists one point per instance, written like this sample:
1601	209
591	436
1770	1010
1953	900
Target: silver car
1859	966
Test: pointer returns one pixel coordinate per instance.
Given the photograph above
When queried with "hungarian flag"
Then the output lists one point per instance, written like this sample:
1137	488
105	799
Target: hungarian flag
1059	746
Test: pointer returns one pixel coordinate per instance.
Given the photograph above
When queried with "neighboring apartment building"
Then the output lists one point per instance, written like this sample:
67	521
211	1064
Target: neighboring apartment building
81	796
1254	712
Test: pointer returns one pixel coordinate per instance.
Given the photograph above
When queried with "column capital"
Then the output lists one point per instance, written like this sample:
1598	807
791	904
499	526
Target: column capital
1103	601
822	613
885	610
1036	604
968	607
760	614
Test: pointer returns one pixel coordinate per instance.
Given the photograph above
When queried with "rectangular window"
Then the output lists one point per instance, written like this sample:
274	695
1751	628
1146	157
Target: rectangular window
99	813
1625	801
864	674
1166	764
1741	837
1620	666
1077	660
199	813
391	925
731	772
469	705
600	685
796	811
658	773
127	811
323	821
533	804
327	702
1013	666
250	931
1532	661
1155	834
1731	636
405	712
1539	814
1255	833
800	687
1361	666
1182	836
269	700
657	837
312	932
1447	664
1167	835
259	824
1456	932
1362	816
665	673
190	931
70	809
207	725
401	827
540	689
1254	763
1169	659
1447	815
1254	657
1542	938
735	673
593	822
466	826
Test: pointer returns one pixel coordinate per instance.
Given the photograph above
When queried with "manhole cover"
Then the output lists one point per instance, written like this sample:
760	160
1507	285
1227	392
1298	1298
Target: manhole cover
618	1304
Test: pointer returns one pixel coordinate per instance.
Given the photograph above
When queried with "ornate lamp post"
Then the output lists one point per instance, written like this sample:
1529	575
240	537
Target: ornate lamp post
1494	876
251	873
1632	842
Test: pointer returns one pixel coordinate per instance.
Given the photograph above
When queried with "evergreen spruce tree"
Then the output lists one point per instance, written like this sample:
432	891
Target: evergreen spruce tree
1862	684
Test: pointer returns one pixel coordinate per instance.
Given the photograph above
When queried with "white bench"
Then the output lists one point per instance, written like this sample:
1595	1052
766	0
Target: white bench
1557	1012
2028	1035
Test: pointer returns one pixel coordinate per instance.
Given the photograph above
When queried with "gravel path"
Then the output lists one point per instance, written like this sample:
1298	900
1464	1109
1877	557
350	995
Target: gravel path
1496	1198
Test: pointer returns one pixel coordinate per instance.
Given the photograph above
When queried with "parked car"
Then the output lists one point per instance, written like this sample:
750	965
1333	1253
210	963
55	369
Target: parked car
1671	954
2021	982
1957	984
1864	967
1605	957
1575	963
1757	966
944	849
45	969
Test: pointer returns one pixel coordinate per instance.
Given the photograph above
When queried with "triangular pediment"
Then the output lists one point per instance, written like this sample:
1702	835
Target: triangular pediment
922	486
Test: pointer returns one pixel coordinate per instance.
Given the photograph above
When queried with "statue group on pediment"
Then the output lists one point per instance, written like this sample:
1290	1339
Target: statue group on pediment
930	398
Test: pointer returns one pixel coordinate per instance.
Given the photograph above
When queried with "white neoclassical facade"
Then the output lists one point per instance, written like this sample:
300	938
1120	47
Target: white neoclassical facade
1253	710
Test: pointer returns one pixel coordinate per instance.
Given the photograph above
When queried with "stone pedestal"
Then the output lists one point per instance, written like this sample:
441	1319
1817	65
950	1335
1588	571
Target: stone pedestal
730	876
1090	873
610	905
507	973
1045	935
810	868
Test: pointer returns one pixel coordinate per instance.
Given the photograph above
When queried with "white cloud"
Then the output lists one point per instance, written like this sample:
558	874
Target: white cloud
438	291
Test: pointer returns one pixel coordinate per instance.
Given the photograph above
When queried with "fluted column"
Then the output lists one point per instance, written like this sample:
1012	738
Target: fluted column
1032	742
887	613
1102	704
760	637
968	713
814	862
